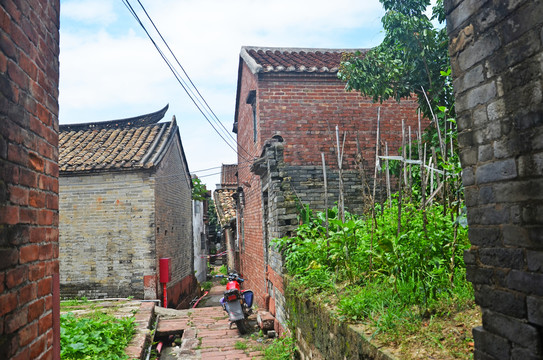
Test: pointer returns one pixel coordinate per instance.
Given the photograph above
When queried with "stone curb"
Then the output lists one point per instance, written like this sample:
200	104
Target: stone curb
142	338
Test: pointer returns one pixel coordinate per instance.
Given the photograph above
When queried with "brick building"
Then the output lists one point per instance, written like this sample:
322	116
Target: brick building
125	202
199	235
288	103
29	271
225	204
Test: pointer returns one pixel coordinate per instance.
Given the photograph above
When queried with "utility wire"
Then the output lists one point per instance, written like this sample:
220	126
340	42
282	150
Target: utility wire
181	81
178	78
188	77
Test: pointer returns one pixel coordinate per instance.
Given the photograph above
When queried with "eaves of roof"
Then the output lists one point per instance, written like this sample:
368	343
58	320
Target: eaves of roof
280	60
127	144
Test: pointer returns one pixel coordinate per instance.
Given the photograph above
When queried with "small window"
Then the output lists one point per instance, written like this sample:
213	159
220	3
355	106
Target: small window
251	100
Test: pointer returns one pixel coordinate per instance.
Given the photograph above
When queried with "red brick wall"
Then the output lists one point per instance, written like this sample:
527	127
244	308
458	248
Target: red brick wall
304	109
250	234
29	179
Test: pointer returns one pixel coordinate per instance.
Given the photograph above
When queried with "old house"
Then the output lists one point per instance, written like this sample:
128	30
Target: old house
125	203
289	102
199	236
225	204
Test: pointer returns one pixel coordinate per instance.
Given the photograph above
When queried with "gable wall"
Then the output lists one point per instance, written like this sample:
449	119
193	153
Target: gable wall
173	225
249	220
304	110
106	234
29	306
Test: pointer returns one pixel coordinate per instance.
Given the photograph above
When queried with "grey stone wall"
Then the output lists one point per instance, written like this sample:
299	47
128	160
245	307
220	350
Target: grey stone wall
497	55
173	222
106	234
288	187
320	335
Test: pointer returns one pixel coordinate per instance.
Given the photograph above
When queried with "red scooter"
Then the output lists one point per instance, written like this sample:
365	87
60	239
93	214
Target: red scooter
237	303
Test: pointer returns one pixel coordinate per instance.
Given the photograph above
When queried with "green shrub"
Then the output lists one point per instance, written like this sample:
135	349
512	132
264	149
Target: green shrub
95	336
206	285
379	275
280	349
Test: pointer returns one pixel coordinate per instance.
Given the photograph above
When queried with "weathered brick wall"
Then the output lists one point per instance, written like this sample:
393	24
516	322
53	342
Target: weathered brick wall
107	237
304	110
497	55
249	220
173	223
29	311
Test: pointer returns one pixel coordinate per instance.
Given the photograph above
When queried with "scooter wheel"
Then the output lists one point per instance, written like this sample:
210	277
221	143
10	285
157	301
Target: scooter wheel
242	326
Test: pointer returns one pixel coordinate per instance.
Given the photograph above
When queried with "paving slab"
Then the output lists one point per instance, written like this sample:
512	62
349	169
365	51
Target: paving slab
206	334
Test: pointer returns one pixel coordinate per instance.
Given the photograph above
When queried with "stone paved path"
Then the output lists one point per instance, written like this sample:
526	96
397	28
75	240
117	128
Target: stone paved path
206	333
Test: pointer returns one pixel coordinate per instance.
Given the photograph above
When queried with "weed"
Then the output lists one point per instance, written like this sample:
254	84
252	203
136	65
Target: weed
280	349
377	275
240	345
206	285
95	336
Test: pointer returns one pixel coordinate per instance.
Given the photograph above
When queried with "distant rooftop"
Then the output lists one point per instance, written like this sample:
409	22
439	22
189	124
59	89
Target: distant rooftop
123	144
228	175
269	59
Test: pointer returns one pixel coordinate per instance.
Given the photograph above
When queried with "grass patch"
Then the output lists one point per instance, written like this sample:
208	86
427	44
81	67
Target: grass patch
95	336
206	285
241	345
402	283
280	349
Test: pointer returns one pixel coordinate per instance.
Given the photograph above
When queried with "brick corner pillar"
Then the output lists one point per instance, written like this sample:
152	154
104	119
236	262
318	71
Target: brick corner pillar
29	267
497	60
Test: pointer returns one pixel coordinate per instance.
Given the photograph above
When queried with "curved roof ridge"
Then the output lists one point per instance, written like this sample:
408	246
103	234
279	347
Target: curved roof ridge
140	120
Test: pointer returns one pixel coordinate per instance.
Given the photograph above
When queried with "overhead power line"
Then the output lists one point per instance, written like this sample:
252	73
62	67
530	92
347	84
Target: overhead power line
195	94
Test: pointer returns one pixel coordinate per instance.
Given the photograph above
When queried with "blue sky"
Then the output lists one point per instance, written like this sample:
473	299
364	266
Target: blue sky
109	69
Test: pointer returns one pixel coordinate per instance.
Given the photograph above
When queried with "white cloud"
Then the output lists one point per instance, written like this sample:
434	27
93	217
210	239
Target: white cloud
89	11
109	69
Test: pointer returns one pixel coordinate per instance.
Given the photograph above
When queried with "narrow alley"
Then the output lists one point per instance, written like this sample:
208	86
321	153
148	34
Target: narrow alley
205	332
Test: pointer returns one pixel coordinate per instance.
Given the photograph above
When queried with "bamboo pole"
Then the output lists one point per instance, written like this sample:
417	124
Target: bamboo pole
435	120
410	187
341	201
376	154
373	215
325	196
400	188
422	156
387	176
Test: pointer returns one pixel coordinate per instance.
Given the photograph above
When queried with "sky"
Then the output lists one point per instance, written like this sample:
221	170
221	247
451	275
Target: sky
109	69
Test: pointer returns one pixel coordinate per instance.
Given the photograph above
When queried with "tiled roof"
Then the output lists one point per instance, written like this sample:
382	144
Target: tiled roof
228	175
262	59
225	205
133	143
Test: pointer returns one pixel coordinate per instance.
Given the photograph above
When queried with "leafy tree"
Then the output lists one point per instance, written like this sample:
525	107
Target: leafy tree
212	216
199	190
412	56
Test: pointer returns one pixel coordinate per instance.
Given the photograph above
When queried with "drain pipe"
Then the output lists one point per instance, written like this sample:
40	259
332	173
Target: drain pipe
201	297
152	339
